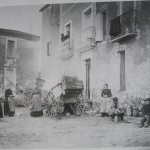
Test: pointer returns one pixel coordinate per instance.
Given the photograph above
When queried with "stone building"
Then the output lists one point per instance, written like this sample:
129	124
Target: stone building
101	42
19	54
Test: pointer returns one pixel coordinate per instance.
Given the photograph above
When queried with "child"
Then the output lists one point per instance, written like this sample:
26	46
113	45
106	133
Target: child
146	114
116	110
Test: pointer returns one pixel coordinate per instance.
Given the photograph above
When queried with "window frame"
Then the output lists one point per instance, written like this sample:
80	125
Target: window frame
69	22
15	47
83	13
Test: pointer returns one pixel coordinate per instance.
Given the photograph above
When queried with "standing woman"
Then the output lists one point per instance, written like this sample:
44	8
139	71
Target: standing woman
8	92
105	101
36	106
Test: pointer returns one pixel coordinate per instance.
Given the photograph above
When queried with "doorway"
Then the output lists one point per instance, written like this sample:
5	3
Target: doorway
88	77
122	71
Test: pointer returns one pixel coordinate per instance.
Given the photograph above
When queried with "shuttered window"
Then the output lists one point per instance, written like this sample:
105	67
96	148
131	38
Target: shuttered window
99	27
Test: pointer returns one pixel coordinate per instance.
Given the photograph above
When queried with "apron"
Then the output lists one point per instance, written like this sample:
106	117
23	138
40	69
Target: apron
105	105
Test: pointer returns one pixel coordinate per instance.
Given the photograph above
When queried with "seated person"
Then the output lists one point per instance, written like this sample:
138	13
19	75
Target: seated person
146	114
11	105
116	111
105	101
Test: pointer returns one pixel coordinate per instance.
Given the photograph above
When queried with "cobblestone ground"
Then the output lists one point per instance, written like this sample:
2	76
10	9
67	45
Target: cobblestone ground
22	131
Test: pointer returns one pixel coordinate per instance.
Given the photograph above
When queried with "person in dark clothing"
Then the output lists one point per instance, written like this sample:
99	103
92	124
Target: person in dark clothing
106	92
1	107
146	114
105	101
8	92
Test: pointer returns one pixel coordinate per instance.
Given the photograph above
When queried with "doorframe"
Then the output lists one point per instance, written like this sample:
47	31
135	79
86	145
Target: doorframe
11	39
85	56
118	68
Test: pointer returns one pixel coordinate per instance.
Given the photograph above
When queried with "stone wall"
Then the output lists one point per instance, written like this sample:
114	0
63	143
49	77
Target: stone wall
137	52
105	57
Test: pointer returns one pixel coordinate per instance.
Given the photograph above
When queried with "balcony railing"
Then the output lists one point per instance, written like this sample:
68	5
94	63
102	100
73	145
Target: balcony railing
87	38
10	62
66	49
123	26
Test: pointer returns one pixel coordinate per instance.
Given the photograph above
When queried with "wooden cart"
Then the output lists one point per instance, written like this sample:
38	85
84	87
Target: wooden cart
65	97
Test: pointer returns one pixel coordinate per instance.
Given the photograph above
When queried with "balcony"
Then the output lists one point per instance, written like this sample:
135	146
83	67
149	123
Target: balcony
123	27
87	39
10	62
66	49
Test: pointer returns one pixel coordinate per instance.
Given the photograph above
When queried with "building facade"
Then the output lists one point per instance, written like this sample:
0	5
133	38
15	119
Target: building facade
102	42
19	54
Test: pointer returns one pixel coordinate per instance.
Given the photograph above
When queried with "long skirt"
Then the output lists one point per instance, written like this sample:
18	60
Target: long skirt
1	111
6	108
105	105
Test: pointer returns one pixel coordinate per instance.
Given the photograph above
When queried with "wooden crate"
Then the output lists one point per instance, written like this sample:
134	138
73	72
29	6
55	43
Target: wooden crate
72	85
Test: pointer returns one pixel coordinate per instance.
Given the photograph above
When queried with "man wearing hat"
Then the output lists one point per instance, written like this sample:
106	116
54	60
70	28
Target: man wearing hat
146	114
116	111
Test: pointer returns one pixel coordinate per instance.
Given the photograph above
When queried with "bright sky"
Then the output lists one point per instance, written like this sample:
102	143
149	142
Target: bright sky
25	18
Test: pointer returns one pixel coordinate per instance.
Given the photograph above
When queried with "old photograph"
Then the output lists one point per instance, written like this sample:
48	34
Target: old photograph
75	75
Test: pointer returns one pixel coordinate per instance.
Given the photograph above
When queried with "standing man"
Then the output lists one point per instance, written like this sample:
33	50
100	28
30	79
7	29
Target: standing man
105	101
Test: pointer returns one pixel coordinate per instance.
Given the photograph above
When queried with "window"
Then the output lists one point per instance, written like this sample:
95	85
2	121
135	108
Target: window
87	17
48	48
101	24
67	31
122	71
11	49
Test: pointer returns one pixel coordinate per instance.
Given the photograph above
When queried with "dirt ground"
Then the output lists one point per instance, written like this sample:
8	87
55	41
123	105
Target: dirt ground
23	131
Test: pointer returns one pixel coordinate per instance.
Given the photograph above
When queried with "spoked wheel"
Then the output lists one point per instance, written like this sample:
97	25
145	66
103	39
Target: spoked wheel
50	96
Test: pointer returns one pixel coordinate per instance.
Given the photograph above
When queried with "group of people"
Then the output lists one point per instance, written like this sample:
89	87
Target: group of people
7	105
111	107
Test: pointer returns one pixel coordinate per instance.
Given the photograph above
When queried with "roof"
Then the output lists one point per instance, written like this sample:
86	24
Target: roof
19	34
45	7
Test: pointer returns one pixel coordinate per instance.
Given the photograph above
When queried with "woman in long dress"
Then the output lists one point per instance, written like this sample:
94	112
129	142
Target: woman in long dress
8	92
105	101
36	106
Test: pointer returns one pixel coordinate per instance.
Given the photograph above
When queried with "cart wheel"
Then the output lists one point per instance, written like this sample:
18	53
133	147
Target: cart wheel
80	110
50	95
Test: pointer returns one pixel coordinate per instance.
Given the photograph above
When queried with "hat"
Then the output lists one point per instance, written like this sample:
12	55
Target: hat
147	99
115	99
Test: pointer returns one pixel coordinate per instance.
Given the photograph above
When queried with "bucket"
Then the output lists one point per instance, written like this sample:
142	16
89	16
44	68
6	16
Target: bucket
135	112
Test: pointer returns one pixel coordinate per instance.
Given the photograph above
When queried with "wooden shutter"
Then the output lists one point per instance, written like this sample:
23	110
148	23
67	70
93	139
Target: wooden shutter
99	27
